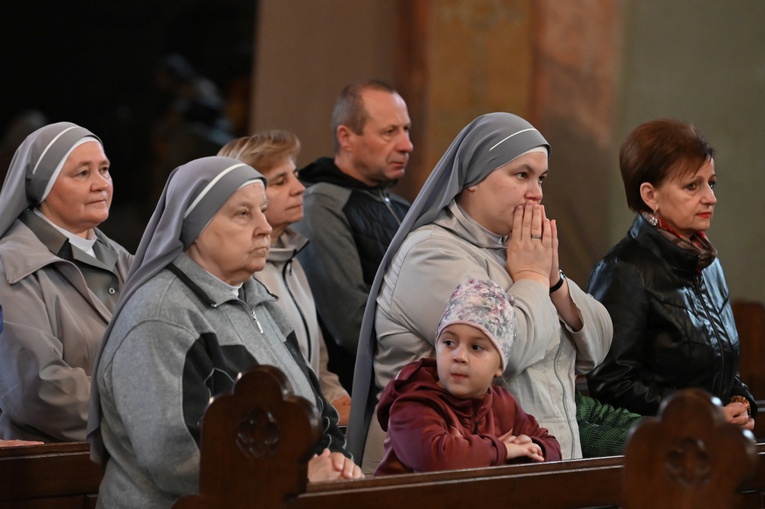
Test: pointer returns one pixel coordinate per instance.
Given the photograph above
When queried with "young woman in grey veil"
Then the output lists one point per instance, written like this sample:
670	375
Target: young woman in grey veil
60	278
190	320
479	215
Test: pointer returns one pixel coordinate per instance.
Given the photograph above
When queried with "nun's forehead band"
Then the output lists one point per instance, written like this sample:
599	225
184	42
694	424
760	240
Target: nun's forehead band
49	145
209	186
500	142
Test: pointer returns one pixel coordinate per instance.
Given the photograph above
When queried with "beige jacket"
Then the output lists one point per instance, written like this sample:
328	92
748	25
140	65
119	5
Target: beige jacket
52	331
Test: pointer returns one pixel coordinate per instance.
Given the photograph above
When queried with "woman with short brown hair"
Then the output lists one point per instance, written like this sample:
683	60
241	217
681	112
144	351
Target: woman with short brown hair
663	284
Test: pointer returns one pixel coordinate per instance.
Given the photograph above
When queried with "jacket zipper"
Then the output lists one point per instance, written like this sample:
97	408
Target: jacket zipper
699	294
257	322
384	197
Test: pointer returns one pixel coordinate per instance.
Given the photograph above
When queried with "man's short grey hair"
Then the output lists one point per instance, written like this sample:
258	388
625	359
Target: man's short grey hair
349	108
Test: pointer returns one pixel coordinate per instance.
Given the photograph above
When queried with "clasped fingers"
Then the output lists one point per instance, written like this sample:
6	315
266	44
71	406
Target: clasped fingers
530	247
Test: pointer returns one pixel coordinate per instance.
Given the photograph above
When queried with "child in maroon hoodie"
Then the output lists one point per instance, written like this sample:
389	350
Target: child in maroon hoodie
445	413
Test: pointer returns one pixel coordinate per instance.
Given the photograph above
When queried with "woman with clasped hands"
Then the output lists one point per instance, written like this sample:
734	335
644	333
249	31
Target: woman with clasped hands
663	283
60	278
191	319
479	215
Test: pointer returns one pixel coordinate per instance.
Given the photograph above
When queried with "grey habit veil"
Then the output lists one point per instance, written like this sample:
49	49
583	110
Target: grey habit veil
193	194
487	143
34	165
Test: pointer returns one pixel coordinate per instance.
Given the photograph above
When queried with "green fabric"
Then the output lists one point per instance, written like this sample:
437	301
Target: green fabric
603	429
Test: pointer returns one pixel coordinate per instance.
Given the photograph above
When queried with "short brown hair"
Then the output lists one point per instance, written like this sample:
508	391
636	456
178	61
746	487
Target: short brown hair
349	108
659	150
263	150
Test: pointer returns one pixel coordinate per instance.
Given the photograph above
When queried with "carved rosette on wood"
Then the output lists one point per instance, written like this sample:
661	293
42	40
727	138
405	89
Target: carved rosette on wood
259	431
688	456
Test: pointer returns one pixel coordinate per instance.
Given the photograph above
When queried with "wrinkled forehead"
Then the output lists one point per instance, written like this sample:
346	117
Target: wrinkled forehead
535	159
384	108
250	194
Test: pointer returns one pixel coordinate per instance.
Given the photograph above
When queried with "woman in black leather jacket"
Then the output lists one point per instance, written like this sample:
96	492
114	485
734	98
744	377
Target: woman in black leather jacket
663	285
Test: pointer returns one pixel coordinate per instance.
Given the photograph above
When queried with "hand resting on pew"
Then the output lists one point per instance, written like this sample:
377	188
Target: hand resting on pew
17	443
445	413
332	466
520	446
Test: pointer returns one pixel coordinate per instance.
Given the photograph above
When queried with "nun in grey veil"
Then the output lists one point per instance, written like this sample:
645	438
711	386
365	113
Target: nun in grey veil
487	144
184	330
60	277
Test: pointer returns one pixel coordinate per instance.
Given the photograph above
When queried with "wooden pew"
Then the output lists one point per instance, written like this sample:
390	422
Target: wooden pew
50	476
254	454
265	435
750	322
690	457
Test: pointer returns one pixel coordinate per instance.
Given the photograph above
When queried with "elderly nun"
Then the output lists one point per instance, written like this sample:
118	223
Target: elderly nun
190	320
61	278
479	215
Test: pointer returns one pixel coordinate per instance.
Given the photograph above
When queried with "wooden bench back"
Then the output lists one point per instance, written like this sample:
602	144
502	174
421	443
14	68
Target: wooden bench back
750	322
688	458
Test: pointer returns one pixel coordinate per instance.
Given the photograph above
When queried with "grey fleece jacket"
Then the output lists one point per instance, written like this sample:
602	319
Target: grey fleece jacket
180	339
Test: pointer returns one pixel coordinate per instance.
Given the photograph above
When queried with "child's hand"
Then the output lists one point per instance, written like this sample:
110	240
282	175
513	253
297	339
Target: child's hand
520	446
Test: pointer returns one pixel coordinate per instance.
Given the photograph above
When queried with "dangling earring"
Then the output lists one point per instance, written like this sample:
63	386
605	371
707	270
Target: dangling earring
652	220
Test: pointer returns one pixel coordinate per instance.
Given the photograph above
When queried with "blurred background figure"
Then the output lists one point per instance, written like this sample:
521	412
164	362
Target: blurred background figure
194	124
21	126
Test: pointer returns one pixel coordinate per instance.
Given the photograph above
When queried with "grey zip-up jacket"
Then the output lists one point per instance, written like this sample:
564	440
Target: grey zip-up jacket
546	355
284	277
181	338
52	332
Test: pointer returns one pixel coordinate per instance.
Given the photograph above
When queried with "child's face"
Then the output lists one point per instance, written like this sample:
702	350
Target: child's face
467	361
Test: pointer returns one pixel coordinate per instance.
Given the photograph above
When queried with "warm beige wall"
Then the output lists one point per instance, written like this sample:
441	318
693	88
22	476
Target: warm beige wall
576	81
703	61
307	50
471	58
478	58
585	72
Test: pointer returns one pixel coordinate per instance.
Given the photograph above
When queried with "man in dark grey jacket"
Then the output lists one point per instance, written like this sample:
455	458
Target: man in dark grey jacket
350	215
